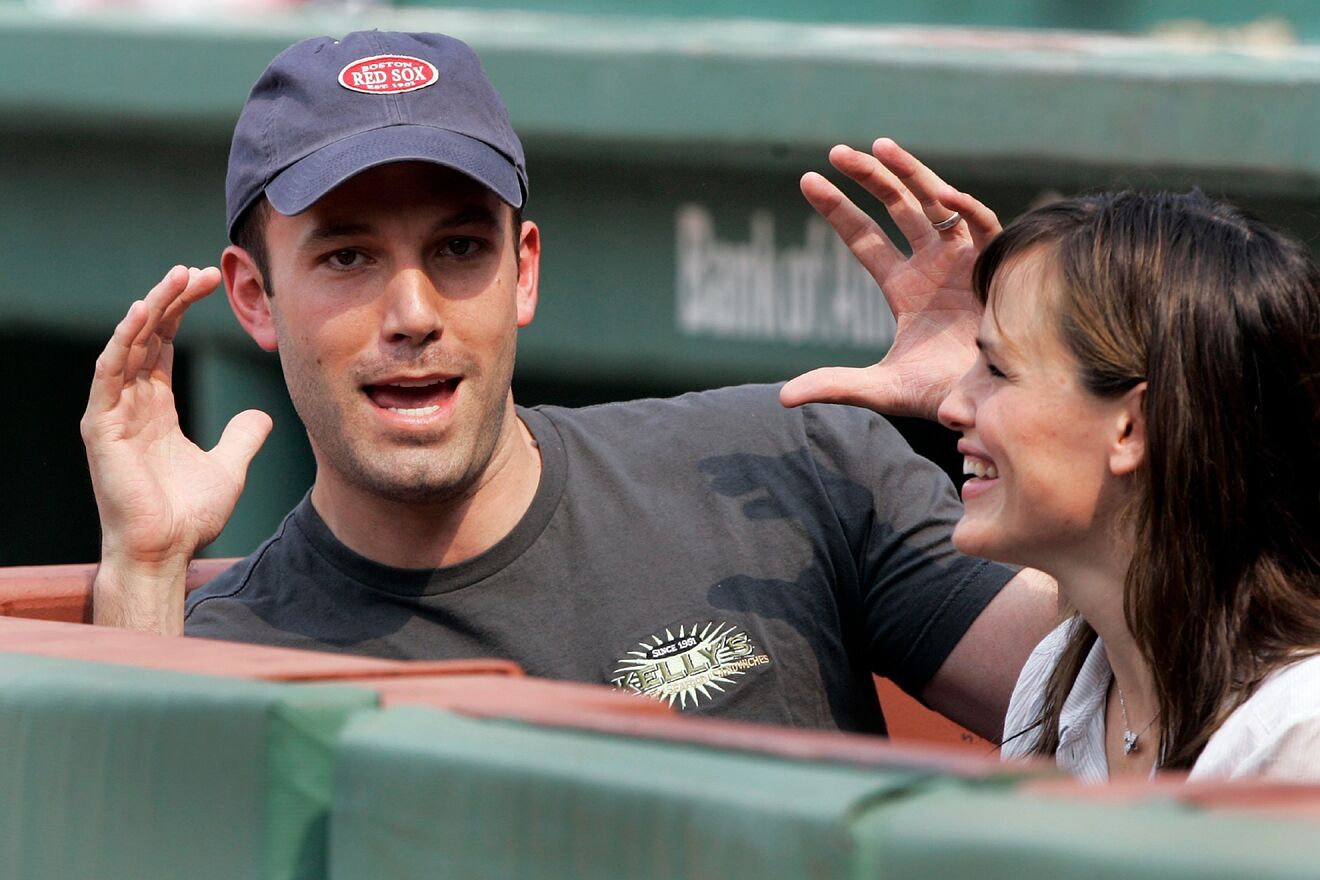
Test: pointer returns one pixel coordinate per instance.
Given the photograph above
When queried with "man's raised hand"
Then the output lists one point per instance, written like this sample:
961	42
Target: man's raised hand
161	498
929	292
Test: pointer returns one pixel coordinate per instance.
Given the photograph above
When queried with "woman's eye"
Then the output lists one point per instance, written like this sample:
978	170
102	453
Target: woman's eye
993	370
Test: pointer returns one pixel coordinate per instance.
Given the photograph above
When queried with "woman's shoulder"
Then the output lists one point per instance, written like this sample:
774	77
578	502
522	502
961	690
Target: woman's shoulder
1288	695
1275	733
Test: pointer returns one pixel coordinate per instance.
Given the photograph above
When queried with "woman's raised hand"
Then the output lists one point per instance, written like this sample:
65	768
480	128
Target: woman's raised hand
929	292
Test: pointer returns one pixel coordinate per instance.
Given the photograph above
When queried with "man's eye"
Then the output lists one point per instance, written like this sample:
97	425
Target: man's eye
461	247
345	259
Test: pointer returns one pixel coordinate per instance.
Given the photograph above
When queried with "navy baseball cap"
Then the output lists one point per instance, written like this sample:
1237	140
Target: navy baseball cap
326	110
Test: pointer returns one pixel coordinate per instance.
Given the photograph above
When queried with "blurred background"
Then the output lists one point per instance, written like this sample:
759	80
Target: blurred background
664	143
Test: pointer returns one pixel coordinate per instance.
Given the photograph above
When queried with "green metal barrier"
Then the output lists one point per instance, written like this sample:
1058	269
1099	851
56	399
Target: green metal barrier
422	794
118	773
1005	835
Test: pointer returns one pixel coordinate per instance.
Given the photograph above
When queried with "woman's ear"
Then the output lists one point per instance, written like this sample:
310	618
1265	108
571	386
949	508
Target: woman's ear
247	296
1127	452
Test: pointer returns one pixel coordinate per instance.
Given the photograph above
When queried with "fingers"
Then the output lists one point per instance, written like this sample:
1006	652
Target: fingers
925	185
201	283
879	181
142	341
165	304
981	221
860	386
240	441
108	378
920	203
146	345
855	228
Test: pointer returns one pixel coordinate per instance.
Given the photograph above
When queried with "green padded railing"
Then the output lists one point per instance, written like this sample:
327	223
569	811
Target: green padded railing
422	794
116	773
1005	835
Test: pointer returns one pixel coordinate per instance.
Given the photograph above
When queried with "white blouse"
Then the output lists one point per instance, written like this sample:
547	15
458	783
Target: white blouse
1275	733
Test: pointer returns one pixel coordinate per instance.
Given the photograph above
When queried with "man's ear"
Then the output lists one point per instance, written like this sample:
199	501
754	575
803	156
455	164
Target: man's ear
247	296
529	271
1127	452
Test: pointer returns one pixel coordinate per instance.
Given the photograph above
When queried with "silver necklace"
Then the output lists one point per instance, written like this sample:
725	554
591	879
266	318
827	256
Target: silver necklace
1130	738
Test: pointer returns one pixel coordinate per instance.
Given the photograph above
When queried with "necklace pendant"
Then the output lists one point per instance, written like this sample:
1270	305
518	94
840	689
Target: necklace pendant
1129	742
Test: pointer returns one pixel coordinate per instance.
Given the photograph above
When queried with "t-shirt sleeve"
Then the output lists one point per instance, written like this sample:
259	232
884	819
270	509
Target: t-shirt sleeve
916	593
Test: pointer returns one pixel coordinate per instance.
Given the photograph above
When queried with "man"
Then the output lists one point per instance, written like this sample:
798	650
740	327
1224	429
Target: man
717	551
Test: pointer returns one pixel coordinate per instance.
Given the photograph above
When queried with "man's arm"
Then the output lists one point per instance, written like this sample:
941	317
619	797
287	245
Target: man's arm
937	314
159	496
975	681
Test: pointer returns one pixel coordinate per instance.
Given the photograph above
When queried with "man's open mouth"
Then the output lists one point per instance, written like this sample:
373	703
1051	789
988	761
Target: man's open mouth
408	397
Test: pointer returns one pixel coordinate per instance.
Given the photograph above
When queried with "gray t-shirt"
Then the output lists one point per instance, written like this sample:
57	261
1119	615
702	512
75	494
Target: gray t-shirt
716	551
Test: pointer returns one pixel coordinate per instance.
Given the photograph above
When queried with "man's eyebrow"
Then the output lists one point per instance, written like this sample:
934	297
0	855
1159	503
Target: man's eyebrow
334	229
331	230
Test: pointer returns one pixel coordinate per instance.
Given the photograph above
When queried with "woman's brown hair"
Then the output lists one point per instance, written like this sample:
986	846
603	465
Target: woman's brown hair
1220	315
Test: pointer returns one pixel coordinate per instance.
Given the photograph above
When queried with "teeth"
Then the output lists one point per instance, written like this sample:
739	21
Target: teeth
414	411
416	383
978	468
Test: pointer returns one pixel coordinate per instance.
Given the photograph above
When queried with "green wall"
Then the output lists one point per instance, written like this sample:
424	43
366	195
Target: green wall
664	155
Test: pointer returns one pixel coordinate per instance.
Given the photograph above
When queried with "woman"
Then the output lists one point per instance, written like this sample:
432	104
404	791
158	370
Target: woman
1141	423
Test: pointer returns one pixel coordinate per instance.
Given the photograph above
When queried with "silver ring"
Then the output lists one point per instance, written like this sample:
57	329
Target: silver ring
948	222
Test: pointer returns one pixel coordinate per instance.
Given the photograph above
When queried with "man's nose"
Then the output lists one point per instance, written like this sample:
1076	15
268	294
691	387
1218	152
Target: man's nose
412	309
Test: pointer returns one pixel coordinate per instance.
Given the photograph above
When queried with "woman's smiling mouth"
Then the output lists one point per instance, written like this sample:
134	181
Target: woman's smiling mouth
979	468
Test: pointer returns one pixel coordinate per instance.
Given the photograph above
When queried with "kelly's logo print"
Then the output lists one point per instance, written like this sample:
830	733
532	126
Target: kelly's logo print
687	667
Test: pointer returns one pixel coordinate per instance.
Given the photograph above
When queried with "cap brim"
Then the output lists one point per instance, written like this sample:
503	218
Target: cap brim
298	187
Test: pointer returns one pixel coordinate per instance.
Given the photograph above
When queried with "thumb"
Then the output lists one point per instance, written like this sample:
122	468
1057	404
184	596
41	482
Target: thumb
870	387
241	439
